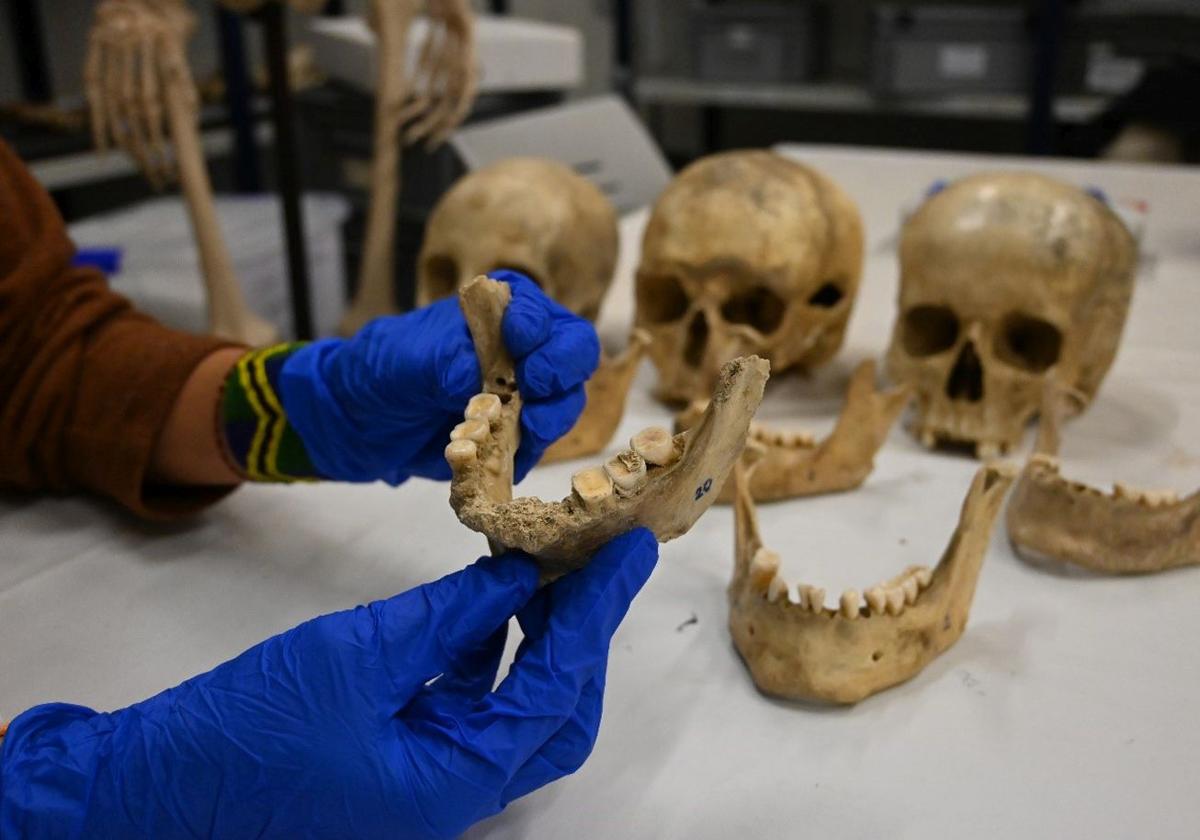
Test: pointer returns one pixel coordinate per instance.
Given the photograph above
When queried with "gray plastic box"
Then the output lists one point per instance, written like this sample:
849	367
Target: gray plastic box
767	43
951	49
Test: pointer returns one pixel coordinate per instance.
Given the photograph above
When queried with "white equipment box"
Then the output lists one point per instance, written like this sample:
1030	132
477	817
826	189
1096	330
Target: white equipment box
514	55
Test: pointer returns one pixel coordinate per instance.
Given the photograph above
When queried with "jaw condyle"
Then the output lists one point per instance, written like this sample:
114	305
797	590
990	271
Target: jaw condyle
663	482
798	648
795	464
1129	531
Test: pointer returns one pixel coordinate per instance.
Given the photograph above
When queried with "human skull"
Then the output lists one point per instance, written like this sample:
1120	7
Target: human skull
531	215
1005	277
746	253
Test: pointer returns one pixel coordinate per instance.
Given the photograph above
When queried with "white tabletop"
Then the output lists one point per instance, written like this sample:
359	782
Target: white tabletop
1067	709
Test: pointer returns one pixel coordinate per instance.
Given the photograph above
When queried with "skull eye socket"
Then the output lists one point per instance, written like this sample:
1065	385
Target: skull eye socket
1028	343
929	330
760	308
828	296
441	274
661	299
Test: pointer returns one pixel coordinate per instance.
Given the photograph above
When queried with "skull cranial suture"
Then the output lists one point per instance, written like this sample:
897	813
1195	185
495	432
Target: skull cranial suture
1004	278
746	253
532	215
800	649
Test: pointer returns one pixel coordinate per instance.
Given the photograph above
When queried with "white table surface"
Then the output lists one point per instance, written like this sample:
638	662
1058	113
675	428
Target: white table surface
1068	709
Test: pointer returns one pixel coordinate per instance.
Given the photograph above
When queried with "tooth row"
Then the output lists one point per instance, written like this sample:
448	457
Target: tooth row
890	597
796	440
485	407
1149	498
656	446
901	591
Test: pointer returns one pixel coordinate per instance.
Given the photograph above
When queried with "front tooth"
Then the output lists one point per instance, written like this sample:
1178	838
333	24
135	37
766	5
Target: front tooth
777	587
986	450
850	604
655	445
813	597
923	576
475	429
627	471
895	600
485	407
461	453
910	590
592	486
876	600
764	568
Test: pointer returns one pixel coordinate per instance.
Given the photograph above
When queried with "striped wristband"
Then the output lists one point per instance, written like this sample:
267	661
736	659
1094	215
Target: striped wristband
260	443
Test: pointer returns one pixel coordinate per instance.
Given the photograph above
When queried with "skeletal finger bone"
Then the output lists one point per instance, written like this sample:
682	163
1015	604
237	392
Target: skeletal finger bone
667	499
796	465
807	651
1129	531
606	394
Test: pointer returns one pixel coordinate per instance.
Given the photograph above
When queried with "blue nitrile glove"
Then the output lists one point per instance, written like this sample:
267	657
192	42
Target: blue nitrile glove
381	405
330	729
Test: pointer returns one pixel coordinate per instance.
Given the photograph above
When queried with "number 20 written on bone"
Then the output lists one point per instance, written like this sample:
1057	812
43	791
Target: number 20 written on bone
703	489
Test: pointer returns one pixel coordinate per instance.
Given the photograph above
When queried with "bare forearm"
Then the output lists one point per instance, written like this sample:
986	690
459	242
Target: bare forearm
189	448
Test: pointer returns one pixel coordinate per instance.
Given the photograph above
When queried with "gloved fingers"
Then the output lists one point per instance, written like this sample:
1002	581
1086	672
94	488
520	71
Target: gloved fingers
543	688
528	320
543	422
427	630
567	749
566	359
472	676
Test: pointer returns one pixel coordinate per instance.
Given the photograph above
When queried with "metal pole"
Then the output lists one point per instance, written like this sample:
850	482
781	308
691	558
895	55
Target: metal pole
246	175
274	24
1051	24
25	20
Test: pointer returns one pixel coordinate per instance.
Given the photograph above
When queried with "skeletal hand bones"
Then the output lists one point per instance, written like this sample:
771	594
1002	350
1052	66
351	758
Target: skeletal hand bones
801	649
796	465
1128	532
662	482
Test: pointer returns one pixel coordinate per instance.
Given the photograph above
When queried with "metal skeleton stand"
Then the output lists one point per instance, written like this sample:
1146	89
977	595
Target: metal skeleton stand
274	23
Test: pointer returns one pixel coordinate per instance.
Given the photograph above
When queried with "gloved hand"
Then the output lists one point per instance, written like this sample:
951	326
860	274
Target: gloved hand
329	730
381	404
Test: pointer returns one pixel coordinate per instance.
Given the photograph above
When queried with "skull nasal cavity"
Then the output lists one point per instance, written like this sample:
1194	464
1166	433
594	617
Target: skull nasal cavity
966	379
697	340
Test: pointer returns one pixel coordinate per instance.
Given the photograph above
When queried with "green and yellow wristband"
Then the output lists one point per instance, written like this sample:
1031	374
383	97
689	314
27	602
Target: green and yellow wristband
259	442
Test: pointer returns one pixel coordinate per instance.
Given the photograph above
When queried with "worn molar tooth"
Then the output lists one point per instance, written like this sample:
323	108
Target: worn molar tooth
485	407
461	453
776	588
850	604
895	600
876	600
923	576
910	589
656	446
476	429
627	471
592	486
763	569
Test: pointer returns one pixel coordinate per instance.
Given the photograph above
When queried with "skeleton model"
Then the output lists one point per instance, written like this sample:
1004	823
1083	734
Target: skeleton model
1006	277
1128	532
795	464
137	75
797	647
663	481
746	252
541	218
